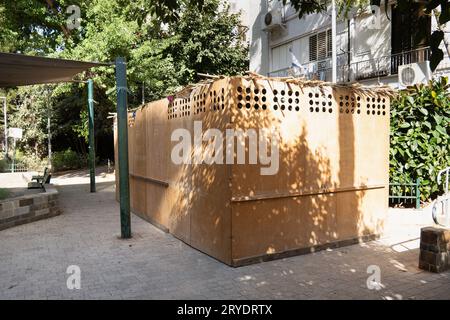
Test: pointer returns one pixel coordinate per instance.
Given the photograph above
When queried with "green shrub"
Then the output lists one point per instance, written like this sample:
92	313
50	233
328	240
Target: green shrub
30	161
68	159
3	165
420	135
4	193
23	159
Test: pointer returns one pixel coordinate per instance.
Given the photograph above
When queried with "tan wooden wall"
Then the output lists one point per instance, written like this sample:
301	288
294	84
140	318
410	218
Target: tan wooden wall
332	183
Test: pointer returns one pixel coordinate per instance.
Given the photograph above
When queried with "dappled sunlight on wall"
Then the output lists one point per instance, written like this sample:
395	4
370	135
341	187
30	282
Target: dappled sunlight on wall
328	187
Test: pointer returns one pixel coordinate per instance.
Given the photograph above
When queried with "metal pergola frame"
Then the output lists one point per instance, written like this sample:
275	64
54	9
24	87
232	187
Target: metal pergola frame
20	70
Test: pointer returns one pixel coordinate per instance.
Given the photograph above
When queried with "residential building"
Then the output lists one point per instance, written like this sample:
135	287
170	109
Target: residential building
371	44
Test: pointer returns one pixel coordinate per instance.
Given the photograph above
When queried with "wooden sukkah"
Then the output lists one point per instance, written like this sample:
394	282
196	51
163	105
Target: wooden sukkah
331	187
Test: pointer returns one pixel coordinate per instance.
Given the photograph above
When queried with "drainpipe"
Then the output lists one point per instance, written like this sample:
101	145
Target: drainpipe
333	43
349	46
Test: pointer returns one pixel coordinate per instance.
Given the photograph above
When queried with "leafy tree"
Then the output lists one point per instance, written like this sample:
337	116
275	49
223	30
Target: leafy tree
36	26
165	43
206	42
29	111
420	135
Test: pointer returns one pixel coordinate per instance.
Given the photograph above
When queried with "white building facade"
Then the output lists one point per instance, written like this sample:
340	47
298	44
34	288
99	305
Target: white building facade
371	44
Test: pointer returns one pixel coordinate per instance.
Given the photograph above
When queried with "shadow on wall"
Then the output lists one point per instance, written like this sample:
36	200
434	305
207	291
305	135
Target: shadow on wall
299	207
323	193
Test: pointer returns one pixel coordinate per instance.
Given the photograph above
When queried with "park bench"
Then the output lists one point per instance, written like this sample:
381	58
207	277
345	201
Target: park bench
38	177
40	180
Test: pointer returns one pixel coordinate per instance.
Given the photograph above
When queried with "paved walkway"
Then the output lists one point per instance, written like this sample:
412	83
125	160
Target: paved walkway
154	265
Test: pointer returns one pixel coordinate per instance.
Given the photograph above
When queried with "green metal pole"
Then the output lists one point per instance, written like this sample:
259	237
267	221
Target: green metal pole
122	134
91	133
418	193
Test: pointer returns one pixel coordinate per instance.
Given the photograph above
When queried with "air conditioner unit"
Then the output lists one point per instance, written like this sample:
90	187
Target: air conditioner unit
273	19
410	74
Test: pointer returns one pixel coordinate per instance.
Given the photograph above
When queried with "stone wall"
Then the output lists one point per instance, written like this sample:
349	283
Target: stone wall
29	208
434	249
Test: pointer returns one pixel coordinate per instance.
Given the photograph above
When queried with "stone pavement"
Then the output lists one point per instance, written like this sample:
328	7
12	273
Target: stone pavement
154	265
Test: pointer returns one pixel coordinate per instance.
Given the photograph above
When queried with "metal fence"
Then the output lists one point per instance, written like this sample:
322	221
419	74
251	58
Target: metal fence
17	167
441	207
445	171
405	193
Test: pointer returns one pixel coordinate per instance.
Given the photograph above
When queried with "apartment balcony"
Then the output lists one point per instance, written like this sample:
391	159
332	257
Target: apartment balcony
316	70
366	70
387	66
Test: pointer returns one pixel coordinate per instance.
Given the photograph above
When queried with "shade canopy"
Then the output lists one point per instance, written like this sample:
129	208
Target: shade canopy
21	70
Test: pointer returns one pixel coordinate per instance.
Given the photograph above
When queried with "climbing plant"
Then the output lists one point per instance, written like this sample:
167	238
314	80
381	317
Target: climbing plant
420	135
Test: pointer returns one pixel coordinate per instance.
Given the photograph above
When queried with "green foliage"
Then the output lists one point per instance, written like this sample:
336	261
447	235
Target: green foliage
30	160
420	138
68	159
3	193
36	26
207	43
8	37
82	129
3	165
28	109
165	43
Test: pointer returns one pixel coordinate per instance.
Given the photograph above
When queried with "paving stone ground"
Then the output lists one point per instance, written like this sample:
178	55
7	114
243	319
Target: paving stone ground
155	265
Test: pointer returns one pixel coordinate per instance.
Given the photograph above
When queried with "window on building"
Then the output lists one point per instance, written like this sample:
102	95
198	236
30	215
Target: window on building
411	29
320	46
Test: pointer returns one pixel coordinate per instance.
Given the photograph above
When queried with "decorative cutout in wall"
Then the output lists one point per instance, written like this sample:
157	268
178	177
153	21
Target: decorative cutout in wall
286	100
376	106
252	98
217	100
179	108
349	104
199	102
320	102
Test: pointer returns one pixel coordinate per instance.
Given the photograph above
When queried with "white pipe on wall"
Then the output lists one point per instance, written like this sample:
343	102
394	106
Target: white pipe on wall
333	43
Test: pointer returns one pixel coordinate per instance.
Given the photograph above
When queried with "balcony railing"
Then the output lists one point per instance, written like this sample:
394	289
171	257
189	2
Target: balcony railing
366	69
385	65
316	70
